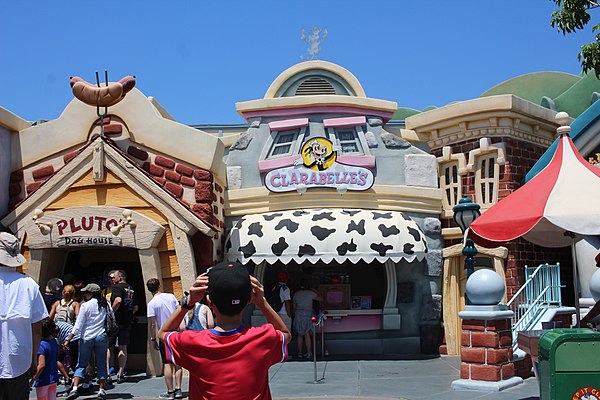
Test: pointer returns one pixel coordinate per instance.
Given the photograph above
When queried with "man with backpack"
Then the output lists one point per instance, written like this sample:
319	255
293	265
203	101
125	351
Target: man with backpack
280	299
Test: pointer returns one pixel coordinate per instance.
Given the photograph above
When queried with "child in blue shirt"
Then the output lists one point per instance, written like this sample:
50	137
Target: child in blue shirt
45	379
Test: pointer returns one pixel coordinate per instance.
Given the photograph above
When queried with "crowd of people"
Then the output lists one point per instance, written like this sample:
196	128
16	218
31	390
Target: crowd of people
78	313
50	338
58	336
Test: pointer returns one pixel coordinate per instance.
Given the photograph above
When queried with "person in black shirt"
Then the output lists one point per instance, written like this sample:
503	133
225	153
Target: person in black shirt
53	292
124	306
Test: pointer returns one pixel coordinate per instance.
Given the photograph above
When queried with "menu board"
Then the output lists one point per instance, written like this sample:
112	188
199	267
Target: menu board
335	297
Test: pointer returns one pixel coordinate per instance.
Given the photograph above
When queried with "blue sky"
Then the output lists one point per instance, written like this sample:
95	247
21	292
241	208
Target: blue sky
199	58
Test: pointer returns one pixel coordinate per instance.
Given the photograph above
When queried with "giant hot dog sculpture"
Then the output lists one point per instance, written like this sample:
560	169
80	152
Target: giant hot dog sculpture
104	95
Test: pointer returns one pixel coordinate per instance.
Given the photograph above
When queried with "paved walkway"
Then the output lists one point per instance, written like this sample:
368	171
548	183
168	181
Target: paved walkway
351	380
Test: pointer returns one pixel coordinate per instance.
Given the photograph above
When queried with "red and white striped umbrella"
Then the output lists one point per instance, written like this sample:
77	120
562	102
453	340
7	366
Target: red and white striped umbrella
563	197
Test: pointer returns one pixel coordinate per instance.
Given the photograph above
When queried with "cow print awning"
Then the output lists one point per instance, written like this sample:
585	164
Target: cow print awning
325	235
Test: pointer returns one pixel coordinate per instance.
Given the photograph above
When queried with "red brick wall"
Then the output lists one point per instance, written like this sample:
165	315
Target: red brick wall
196	189
486	352
203	252
523	367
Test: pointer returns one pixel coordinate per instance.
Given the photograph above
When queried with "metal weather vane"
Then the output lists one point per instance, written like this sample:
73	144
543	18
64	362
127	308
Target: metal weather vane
314	40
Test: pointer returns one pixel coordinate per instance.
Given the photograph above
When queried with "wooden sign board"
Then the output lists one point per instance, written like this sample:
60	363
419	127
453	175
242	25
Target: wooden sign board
97	241
91	227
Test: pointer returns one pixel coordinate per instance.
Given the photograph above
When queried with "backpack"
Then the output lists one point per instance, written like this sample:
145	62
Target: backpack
194	323
110	323
274	297
65	312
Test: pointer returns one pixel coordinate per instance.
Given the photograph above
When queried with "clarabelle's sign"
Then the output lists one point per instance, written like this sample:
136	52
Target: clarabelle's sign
318	168
287	179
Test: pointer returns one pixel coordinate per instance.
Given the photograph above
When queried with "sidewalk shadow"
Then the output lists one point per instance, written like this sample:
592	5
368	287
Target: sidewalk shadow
134	379
119	396
369	357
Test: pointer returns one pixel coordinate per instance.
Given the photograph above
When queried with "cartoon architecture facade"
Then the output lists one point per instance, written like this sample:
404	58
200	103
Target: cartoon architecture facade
318	188
319	184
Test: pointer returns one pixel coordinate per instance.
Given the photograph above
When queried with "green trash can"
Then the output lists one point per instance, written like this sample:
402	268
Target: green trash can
569	364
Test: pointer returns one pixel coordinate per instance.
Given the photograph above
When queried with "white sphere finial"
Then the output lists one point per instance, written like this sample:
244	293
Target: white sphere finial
485	287
564	122
562	118
595	285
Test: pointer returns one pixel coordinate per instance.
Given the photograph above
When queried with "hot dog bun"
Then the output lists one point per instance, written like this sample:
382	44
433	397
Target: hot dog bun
103	96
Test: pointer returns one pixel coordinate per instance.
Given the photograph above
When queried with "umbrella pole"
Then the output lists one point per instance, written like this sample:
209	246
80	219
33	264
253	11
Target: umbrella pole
575	282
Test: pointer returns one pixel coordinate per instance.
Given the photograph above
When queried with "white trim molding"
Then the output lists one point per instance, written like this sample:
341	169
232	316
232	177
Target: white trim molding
485	147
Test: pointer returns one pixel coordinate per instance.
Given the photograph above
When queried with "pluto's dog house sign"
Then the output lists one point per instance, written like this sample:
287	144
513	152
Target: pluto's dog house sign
95	227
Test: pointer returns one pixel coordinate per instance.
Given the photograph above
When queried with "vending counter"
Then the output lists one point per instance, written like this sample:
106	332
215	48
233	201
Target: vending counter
352	320
347	313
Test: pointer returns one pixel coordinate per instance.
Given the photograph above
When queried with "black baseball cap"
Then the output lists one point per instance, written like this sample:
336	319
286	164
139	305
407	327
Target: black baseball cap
229	287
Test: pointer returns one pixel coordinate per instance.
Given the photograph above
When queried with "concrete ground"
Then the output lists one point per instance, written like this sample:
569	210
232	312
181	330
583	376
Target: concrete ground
346	380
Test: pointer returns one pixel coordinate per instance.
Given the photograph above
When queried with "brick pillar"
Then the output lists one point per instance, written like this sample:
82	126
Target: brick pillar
486	350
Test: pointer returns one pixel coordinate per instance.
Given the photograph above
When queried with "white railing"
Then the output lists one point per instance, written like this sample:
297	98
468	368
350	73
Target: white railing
540	291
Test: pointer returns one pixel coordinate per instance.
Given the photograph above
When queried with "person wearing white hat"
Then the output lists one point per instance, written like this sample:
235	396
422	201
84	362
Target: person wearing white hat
22	310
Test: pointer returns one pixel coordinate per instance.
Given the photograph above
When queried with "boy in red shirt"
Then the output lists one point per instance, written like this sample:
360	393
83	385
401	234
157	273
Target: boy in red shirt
230	361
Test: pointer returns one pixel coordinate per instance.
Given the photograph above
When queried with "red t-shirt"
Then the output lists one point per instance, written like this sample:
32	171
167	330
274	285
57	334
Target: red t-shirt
228	365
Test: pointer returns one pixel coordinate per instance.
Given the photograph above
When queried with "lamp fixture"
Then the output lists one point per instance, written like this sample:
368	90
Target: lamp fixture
116	230
301	189
44	227
342	189
465	212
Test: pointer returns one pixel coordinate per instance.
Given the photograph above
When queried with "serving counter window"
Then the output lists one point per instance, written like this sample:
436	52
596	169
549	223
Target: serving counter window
351	286
352	294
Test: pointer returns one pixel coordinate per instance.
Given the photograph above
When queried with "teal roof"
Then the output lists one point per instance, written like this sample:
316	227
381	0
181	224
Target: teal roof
536	85
578	126
402	113
557	91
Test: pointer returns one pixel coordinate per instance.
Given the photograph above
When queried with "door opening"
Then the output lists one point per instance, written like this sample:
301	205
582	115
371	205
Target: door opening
93	265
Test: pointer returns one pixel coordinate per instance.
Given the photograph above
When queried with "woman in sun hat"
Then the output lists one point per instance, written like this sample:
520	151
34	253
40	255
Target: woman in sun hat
22	310
89	325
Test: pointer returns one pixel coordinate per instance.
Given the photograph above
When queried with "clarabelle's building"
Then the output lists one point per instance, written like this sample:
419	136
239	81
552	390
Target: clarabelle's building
319	189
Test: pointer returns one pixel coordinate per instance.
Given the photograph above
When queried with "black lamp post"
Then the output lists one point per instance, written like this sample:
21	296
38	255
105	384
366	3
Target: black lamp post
465	212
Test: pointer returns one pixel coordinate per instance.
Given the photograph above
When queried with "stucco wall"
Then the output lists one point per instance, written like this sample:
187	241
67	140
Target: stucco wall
389	150
247	158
